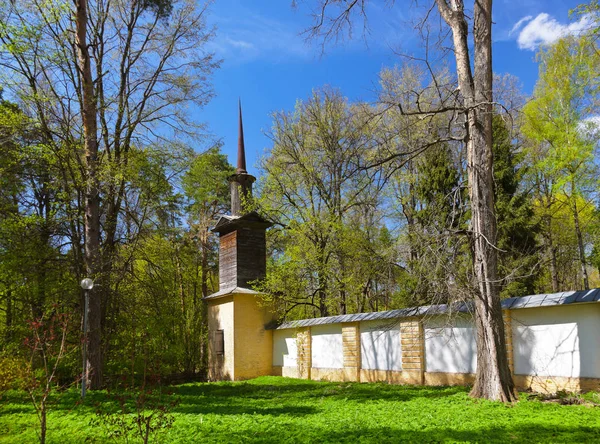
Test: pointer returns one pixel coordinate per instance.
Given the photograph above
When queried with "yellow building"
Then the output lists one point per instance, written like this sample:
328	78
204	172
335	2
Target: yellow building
240	346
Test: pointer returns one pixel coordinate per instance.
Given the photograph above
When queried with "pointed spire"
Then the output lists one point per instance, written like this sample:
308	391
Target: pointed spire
241	160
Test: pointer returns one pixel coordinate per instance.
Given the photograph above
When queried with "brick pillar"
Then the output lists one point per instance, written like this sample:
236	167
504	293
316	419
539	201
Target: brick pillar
508	337
351	344
304	344
413	350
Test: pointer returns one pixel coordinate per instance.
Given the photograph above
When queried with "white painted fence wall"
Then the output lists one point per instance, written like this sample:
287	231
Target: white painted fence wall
450	347
380	345
285	348
557	341
547	341
327	348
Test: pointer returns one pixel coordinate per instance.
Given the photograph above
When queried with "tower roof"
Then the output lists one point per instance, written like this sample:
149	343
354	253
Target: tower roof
241	159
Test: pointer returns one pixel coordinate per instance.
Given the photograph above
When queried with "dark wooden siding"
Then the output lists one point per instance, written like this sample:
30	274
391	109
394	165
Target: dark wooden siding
242	257
251	256
228	260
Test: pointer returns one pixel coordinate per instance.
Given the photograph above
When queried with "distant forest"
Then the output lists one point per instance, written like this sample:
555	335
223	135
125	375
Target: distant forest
369	200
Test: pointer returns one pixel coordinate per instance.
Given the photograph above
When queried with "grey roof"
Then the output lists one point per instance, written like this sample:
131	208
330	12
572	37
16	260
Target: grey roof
538	300
229	222
229	291
378	315
545	300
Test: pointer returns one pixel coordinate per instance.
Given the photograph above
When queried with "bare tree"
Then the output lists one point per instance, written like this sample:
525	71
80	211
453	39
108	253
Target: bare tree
474	103
103	79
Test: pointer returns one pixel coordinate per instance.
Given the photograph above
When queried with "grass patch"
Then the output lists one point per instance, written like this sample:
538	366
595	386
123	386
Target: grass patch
274	409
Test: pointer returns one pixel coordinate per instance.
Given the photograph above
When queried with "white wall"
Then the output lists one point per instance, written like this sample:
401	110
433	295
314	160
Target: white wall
547	341
557	341
327	349
450	345
380	345
285	350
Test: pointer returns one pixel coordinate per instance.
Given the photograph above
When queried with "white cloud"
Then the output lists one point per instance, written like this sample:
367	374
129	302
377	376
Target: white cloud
545	29
590	127
241	44
519	23
248	36
244	35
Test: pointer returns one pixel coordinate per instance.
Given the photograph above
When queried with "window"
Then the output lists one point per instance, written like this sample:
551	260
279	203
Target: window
219	343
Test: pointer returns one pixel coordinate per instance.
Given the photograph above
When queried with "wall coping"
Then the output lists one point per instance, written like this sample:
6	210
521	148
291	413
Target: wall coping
533	301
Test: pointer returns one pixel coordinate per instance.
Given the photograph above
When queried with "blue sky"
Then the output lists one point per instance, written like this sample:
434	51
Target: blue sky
267	62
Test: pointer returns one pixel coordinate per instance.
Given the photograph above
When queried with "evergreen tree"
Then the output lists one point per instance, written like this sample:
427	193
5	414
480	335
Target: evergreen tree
517	228
440	257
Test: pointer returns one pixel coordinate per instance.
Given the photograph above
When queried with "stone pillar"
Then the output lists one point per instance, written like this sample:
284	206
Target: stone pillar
304	344
413	351
351	344
508	337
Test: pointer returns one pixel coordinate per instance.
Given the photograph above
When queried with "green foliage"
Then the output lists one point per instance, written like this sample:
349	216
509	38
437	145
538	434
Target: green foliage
143	414
437	189
561	148
438	253
516	222
273	409
153	64
326	254
205	183
12	369
172	266
591	11
162	8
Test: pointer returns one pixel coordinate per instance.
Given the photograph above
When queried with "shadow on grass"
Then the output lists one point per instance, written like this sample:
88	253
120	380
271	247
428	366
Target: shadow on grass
290	397
518	433
283	388
232	398
523	433
284	410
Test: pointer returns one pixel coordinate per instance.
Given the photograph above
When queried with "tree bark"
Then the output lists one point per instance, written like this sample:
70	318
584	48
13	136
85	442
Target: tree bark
553	265
8	320
92	197
584	275
493	379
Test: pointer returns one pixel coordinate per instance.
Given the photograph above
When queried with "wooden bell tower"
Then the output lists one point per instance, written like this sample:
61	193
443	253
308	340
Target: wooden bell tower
239	345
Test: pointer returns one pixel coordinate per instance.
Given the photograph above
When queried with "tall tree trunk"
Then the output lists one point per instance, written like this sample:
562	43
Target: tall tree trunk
553	265
92	198
493	379
8	321
584	275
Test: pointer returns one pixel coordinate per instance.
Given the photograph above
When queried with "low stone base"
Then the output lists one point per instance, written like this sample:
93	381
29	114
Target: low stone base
286	372
542	384
449	378
553	384
390	376
328	374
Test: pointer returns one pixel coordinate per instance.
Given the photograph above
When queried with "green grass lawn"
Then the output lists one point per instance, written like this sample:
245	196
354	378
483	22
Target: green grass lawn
273	409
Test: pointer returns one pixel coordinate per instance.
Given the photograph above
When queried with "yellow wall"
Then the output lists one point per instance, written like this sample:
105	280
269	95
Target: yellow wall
248	346
304	341
436	378
390	376
286	372
351	343
220	317
253	344
552	384
328	374
413	349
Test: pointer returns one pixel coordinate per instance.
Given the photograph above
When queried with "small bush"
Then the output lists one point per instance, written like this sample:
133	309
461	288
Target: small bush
12	370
